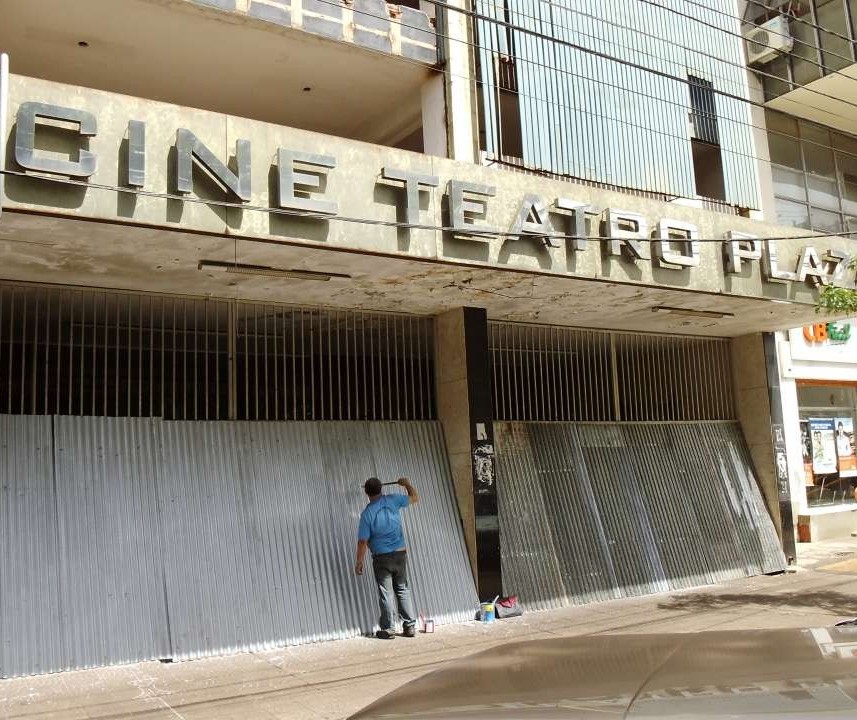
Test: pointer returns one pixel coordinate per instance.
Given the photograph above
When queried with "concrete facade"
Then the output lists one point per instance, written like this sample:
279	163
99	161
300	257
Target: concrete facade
366	217
341	223
453	411
754	414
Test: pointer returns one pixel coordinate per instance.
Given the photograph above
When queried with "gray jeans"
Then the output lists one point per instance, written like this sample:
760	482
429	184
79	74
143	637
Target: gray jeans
391	574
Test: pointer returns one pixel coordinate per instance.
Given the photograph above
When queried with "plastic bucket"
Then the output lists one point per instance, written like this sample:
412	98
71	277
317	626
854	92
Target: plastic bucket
487	612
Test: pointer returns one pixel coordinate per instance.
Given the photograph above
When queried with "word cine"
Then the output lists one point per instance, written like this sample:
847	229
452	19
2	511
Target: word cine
301	184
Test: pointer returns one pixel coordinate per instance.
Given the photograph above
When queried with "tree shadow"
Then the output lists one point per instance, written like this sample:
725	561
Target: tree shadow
837	603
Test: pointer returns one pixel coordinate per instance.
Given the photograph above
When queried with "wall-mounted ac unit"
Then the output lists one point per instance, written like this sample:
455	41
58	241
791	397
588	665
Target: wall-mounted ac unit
766	42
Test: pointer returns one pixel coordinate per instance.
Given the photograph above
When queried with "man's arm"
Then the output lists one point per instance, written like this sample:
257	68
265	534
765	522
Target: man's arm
361	554
413	496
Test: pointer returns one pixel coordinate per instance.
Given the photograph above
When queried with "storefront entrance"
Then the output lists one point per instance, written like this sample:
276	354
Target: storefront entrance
621	469
142	522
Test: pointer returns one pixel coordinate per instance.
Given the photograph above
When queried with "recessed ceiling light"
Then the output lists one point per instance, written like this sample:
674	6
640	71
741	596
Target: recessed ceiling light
243	269
691	312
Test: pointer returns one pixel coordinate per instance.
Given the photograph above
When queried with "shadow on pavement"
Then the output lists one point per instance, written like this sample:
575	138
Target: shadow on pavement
833	601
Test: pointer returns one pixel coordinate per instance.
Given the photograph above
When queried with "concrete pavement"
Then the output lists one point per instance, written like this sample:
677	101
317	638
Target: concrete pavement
331	680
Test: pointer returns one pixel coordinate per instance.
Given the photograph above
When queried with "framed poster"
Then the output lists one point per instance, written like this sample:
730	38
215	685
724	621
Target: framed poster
845	447
823	433
806	450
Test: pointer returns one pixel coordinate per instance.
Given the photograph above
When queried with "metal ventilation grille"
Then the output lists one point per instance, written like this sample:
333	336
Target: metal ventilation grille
308	364
73	351
759	41
547	373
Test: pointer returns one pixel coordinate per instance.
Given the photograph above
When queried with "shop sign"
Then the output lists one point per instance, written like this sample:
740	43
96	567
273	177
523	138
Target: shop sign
300	181
829	332
834	341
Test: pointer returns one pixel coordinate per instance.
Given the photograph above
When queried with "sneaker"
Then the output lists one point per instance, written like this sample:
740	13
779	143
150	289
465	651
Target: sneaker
384	635
409	631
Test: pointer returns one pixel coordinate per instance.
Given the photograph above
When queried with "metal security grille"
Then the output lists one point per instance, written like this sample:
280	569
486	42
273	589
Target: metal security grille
309	364
73	351
564	374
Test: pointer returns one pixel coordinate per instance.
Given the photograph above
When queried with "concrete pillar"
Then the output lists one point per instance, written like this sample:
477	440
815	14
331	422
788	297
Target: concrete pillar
435	138
759	410
455	33
767	210
464	406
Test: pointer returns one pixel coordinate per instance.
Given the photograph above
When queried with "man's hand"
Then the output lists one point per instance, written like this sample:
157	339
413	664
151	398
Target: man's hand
362	546
413	496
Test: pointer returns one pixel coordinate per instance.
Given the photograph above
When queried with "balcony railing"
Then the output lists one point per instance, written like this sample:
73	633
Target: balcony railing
373	24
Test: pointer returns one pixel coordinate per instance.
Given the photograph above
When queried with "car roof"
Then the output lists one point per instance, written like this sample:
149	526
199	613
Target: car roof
735	674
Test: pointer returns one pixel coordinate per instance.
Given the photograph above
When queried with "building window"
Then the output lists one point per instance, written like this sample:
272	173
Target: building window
824	40
827	417
705	140
814	173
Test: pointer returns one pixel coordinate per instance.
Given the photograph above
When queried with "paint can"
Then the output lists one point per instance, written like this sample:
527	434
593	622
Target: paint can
487	612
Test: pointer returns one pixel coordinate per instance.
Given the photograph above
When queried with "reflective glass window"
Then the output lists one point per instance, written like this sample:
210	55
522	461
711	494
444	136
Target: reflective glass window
847	165
837	51
806	60
789	183
845	142
792	213
825	221
819	160
823	192
785	150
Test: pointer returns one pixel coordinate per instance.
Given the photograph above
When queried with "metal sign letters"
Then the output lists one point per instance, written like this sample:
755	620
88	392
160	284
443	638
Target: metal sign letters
301	188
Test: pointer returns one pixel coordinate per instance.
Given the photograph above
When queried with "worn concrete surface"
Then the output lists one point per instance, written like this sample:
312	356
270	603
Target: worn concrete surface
332	680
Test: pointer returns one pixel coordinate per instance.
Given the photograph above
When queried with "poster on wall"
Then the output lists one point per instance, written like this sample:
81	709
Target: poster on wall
806	449
845	447
823	435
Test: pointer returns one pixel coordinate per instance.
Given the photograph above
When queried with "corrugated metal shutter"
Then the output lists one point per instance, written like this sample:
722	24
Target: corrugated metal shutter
593	511
110	578
242	534
29	583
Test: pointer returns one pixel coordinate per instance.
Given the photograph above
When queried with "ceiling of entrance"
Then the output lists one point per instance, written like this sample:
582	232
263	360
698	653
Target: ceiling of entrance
47	249
178	53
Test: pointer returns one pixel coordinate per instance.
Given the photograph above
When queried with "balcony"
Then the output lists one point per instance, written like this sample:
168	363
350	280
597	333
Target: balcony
815	79
352	69
372	24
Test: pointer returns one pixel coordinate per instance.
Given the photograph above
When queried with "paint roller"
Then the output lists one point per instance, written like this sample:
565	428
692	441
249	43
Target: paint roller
384	484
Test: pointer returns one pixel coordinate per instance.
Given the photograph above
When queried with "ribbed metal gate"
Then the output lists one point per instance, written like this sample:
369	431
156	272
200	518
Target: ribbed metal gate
596	511
82	351
128	539
543	372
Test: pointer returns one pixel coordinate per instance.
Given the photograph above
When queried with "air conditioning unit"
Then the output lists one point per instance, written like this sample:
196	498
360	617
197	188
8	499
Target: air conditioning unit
766	42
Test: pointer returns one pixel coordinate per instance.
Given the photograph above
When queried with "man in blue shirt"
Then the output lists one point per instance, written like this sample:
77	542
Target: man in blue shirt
380	530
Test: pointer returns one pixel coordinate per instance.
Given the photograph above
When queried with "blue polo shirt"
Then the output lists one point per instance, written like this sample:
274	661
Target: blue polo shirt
381	524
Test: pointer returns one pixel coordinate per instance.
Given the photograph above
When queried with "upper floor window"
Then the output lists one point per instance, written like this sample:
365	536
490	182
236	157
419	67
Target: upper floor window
823	37
814	171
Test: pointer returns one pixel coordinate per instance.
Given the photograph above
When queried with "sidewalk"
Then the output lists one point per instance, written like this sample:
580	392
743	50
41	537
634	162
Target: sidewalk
331	680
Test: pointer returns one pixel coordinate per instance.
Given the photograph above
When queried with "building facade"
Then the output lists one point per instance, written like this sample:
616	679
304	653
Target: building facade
819	389
803	58
256	251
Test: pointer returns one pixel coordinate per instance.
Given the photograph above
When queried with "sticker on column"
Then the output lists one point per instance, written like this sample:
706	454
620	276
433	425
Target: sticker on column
483	467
